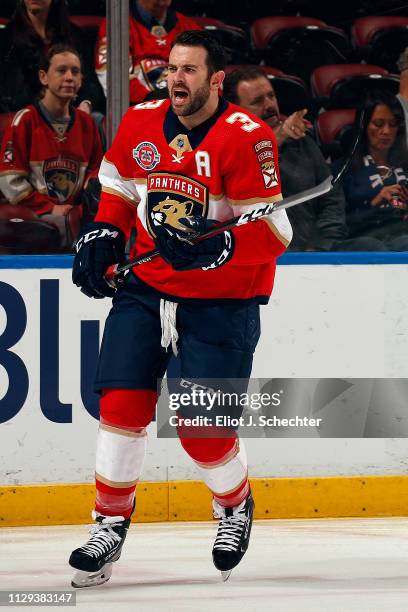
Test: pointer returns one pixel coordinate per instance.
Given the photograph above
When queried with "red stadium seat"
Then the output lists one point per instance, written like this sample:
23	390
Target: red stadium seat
380	40
290	90
233	39
22	232
297	45
3	22
346	85
333	131
91	22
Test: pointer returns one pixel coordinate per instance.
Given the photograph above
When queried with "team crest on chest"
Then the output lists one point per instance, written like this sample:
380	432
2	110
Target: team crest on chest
146	155
153	71
61	177
171	197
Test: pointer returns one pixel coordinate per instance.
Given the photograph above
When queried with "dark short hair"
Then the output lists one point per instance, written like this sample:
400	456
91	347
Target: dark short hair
216	59
46	58
233	79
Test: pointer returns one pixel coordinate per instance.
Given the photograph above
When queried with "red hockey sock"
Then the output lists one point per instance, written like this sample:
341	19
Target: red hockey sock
121	447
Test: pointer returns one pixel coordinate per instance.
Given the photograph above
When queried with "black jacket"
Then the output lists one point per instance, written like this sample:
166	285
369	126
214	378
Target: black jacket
317	224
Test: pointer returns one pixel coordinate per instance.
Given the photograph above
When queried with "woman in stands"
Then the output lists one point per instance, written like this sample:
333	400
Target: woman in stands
51	152
376	185
35	26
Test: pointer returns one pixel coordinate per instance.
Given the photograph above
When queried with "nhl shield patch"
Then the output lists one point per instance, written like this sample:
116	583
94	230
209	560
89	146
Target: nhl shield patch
146	155
171	197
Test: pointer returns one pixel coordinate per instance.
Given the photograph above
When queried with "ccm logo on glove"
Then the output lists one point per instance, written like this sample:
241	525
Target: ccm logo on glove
99	233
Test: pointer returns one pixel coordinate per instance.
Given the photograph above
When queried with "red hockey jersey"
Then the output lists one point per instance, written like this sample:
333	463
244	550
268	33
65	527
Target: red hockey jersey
40	167
157	171
148	53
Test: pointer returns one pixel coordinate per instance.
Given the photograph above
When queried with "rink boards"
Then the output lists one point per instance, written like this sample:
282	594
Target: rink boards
331	316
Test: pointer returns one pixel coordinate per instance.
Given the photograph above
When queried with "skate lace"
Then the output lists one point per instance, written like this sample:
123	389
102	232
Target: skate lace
103	537
230	531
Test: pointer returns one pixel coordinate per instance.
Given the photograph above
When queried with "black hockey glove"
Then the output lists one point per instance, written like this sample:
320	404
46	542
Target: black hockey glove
177	249
99	246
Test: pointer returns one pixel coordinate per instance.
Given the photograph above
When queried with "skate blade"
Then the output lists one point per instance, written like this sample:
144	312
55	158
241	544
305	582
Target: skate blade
85	579
225	575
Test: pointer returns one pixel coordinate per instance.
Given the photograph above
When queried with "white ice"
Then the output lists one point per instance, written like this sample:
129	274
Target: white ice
291	565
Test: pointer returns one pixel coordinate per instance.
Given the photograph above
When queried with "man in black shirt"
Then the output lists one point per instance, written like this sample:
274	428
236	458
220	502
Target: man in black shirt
318	225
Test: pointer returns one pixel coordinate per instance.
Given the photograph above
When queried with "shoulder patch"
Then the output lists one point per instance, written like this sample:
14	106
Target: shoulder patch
265	156
262	144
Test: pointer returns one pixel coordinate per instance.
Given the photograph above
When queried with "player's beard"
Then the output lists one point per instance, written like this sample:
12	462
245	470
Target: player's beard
198	100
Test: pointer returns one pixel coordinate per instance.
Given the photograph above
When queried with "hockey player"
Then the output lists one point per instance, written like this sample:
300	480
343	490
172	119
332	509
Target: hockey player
51	150
153	26
177	165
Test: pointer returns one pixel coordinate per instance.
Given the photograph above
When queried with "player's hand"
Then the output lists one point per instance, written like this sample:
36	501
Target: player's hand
177	249
99	246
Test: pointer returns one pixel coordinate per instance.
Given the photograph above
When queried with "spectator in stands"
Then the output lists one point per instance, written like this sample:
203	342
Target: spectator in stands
51	152
318	225
376	184
153	26
403	92
35	26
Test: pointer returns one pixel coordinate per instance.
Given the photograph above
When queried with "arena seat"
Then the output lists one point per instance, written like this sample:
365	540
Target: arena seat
290	90
297	45
380	39
334	131
347	85
3	22
233	39
23	233
91	22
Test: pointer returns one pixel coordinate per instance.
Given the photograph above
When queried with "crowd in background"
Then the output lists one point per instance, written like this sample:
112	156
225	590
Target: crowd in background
53	101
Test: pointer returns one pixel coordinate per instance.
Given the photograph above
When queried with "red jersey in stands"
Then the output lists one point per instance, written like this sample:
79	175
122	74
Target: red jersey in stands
44	164
149	50
157	171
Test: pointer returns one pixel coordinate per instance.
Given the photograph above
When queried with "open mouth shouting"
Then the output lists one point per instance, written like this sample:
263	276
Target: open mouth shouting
179	96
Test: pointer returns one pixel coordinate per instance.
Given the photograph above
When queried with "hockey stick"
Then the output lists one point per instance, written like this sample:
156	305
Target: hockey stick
113	272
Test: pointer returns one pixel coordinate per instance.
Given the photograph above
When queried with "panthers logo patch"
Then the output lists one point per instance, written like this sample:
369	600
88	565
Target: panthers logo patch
61	177
171	197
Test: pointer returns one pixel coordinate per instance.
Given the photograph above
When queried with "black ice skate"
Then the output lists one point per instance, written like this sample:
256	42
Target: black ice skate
94	560
233	534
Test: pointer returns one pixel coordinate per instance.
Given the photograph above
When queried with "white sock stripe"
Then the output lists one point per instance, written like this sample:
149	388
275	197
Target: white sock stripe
119	458
228	477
